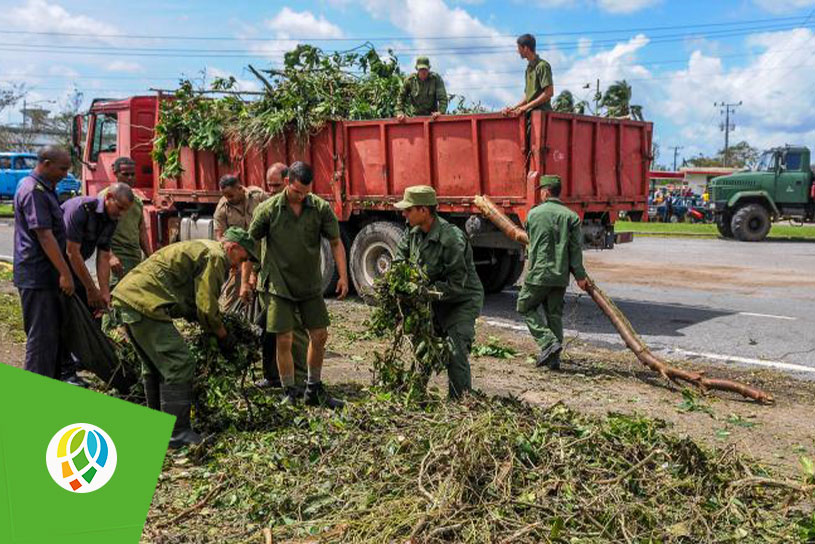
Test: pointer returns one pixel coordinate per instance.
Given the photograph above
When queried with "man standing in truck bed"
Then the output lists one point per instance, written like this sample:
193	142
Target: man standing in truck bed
444	252
236	209
291	225
423	92
555	250
538	86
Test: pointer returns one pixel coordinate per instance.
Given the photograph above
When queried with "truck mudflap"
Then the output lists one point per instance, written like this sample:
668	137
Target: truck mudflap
623	237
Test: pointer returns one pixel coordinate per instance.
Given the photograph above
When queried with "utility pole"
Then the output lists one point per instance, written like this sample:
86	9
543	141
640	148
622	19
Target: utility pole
727	127
676	149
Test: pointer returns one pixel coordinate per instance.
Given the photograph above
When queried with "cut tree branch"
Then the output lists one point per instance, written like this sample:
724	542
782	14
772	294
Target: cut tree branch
624	328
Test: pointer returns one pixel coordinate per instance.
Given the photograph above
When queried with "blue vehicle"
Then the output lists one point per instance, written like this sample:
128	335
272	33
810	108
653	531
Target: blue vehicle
15	166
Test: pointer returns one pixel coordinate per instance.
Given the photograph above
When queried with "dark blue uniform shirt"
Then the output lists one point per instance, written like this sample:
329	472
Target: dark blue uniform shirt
36	206
87	223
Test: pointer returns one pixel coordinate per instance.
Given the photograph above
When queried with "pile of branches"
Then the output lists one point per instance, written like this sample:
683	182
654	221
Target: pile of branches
224	387
481	470
312	88
404	314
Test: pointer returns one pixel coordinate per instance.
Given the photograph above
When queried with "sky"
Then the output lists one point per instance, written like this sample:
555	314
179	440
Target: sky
680	57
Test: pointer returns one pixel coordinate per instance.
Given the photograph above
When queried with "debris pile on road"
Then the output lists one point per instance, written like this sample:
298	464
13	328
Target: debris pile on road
481	470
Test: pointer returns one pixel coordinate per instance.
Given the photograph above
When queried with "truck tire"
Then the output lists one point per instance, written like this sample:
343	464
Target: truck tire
371	255
494	270
723	225
751	223
328	267
516	270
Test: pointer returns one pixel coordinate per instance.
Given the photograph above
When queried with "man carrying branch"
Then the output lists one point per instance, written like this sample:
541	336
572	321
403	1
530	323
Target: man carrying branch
445	254
555	250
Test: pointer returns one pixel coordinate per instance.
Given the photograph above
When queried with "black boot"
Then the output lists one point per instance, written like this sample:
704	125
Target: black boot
543	356
176	400
316	395
152	391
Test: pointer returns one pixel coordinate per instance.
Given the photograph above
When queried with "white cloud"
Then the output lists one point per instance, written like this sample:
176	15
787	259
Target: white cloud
125	66
625	6
775	87
289	23
782	6
31	14
611	6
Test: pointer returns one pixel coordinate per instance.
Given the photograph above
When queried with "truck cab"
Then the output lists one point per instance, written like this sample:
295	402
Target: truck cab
779	186
15	166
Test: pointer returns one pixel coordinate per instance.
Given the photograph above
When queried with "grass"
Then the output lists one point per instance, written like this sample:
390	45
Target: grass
6	210
777	232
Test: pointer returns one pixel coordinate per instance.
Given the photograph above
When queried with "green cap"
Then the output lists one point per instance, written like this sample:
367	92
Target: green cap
418	195
549	181
241	237
423	62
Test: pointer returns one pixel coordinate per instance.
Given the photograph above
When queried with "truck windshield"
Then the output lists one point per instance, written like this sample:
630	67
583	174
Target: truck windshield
767	162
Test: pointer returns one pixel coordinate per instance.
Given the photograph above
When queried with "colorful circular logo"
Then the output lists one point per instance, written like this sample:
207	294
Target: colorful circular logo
81	458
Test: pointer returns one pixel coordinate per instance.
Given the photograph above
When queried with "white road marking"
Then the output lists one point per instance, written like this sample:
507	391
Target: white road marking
614	339
747	361
769	316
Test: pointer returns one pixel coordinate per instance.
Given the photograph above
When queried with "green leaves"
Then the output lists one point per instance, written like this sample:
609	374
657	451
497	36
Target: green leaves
404	314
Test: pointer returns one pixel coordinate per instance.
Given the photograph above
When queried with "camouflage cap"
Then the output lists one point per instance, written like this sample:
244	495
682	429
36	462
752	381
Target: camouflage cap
549	181
242	238
418	195
423	62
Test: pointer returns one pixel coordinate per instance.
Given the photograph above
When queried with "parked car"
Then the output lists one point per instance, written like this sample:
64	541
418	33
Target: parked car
15	166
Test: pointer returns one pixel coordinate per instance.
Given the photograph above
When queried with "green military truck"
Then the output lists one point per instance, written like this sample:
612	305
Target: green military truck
780	186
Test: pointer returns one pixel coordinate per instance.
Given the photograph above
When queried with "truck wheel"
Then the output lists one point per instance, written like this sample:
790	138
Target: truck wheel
494	269
723	225
516	270
372	252
751	223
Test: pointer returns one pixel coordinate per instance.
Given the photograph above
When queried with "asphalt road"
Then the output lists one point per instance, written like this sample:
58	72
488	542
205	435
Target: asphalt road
723	301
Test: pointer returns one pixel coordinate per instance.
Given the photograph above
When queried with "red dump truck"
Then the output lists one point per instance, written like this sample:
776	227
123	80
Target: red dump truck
362	167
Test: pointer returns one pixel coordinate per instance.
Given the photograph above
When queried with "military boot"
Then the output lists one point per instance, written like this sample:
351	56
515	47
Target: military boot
152	391
176	400
316	395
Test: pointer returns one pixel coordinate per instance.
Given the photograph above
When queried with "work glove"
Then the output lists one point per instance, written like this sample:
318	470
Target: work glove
228	345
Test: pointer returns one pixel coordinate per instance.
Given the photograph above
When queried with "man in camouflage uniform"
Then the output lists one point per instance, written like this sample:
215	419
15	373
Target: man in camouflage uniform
555	250
444	252
182	280
423	92
538	88
236	209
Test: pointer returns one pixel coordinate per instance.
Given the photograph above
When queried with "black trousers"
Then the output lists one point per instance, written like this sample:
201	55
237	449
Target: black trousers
43	323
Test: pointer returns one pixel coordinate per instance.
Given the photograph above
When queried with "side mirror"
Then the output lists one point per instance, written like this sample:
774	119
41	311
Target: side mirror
76	136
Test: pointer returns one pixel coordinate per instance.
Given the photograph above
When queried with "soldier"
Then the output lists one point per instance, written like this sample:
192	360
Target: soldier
235	209
538	89
423	92
555	240
41	273
275	184
444	252
292	224
182	280
130	239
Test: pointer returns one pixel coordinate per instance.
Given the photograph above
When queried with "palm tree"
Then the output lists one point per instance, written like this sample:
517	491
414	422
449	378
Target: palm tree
617	101
565	103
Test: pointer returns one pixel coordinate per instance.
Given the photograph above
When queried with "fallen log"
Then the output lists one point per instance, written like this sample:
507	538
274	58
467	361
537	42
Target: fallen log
624	328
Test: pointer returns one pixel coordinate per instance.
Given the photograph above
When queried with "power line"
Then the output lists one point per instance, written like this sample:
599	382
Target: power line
449	51
394	38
